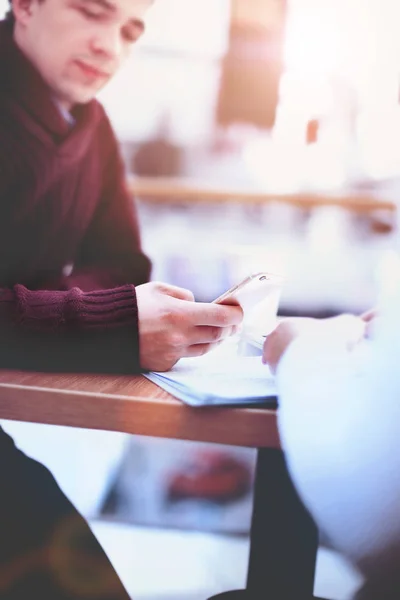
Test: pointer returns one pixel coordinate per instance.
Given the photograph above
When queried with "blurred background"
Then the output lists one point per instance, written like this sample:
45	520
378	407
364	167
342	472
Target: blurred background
257	135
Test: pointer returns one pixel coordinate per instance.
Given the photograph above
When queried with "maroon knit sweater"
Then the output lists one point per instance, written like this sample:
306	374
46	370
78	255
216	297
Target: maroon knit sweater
63	202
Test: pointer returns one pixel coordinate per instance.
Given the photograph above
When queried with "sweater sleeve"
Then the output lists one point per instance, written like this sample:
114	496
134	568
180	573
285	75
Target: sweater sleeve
69	331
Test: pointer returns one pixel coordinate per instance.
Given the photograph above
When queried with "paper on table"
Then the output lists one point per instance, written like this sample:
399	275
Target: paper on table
219	378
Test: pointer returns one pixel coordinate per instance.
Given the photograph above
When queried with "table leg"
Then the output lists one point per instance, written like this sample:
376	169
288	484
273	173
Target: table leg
284	538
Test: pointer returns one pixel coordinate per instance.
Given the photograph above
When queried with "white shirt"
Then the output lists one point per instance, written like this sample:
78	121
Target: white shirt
65	113
339	421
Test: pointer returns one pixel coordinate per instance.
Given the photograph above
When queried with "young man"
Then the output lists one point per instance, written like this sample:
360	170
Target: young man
73	291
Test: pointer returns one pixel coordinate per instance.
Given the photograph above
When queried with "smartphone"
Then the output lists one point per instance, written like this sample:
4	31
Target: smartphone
252	290
258	295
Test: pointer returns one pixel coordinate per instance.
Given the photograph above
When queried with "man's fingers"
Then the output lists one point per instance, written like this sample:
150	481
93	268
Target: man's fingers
216	315
277	342
201	349
206	335
174	291
369	315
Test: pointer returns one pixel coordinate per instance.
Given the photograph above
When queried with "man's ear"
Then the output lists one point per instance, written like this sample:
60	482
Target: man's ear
22	10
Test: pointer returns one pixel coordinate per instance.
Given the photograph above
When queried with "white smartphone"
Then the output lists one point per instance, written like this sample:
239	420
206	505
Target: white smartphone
258	295
252	290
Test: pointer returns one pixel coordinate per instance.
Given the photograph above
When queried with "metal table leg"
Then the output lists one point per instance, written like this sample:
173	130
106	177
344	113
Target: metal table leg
284	538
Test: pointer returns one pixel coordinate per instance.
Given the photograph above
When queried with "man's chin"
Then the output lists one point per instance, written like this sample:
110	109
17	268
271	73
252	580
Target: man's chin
84	98
80	96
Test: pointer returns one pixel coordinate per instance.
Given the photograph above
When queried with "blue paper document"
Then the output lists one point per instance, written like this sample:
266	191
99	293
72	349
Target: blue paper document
221	377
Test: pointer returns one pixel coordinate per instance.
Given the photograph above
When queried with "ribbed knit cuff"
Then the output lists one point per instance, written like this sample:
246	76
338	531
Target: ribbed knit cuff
73	331
74	309
103	309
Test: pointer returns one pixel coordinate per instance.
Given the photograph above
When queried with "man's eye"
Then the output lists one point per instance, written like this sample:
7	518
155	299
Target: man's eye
89	14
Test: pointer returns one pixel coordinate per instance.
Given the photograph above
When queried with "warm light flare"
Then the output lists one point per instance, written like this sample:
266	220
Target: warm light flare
312	45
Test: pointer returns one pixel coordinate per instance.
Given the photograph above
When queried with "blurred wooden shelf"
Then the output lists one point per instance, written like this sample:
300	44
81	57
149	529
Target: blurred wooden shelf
169	189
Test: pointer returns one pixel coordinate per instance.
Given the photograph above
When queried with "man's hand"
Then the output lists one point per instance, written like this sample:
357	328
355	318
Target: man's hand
347	328
172	325
370	315
280	339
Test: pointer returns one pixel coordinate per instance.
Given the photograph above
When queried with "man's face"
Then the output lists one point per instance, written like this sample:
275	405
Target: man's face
78	45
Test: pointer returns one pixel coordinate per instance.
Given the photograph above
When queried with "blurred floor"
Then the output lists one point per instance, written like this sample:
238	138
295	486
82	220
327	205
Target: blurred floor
175	565
154	564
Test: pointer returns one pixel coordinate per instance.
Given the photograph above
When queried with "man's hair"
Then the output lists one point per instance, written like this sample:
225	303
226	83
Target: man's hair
9	14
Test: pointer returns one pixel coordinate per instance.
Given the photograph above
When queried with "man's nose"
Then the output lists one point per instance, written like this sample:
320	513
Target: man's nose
107	43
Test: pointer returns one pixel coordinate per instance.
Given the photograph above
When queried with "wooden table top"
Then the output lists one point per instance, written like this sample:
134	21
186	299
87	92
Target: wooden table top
129	404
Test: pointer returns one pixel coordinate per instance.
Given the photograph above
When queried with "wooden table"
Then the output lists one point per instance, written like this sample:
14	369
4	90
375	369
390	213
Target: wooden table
131	405
283	537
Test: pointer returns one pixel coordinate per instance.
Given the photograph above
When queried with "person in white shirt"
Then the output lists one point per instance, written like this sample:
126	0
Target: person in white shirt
339	420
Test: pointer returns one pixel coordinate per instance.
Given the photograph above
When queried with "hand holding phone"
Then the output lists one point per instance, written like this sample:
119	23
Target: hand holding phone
258	295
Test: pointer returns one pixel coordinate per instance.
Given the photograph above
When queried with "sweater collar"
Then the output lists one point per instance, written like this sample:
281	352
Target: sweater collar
20	79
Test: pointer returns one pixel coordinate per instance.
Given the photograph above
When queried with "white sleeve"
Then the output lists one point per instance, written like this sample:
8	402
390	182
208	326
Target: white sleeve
339	421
